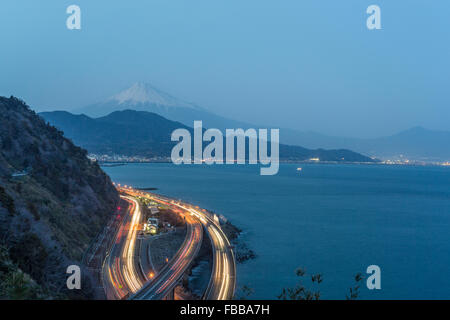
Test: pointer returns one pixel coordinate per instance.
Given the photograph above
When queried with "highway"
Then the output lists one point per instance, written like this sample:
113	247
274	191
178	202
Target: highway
167	278
222	284
121	276
124	279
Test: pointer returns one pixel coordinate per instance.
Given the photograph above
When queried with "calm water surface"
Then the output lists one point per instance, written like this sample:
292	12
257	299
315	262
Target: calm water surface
330	219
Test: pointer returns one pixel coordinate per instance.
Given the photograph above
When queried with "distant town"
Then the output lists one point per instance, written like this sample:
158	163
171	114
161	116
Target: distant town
117	158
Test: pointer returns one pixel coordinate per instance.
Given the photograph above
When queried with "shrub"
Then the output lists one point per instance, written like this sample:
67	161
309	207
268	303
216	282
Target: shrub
30	255
34	210
6	201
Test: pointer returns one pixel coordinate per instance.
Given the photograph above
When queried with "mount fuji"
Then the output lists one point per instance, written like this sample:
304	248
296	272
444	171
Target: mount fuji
415	144
142	93
145	97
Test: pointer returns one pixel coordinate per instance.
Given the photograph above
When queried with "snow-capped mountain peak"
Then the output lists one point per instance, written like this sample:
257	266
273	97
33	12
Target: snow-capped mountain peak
144	93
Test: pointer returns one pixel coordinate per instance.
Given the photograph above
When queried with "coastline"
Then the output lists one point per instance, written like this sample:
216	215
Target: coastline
379	163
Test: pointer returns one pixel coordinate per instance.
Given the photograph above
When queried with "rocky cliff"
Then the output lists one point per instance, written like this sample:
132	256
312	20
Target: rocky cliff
53	203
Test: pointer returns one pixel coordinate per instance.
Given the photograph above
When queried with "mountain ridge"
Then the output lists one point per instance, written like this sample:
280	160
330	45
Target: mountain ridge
141	96
142	92
432	145
142	133
416	143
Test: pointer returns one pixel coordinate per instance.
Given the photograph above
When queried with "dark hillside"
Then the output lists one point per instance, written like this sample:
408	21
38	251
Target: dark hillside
53	199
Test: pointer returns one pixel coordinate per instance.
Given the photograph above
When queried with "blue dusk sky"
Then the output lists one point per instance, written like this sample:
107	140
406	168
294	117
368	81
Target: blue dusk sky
307	65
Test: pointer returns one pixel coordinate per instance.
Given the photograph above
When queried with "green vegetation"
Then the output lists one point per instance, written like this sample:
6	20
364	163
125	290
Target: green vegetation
14	283
30	255
302	292
109	135
165	215
50	216
354	291
6	201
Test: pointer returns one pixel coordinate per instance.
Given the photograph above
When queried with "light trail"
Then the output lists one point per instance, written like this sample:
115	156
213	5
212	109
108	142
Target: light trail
167	278
223	277
120	273
129	269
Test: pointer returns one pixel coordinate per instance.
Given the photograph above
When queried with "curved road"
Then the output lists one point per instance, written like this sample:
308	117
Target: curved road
121	276
222	283
166	279
123	279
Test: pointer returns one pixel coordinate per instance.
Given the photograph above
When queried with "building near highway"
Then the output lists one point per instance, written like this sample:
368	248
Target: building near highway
150	229
151	226
153	209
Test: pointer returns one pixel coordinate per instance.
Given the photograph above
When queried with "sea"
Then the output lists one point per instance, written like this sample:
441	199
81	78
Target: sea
329	219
